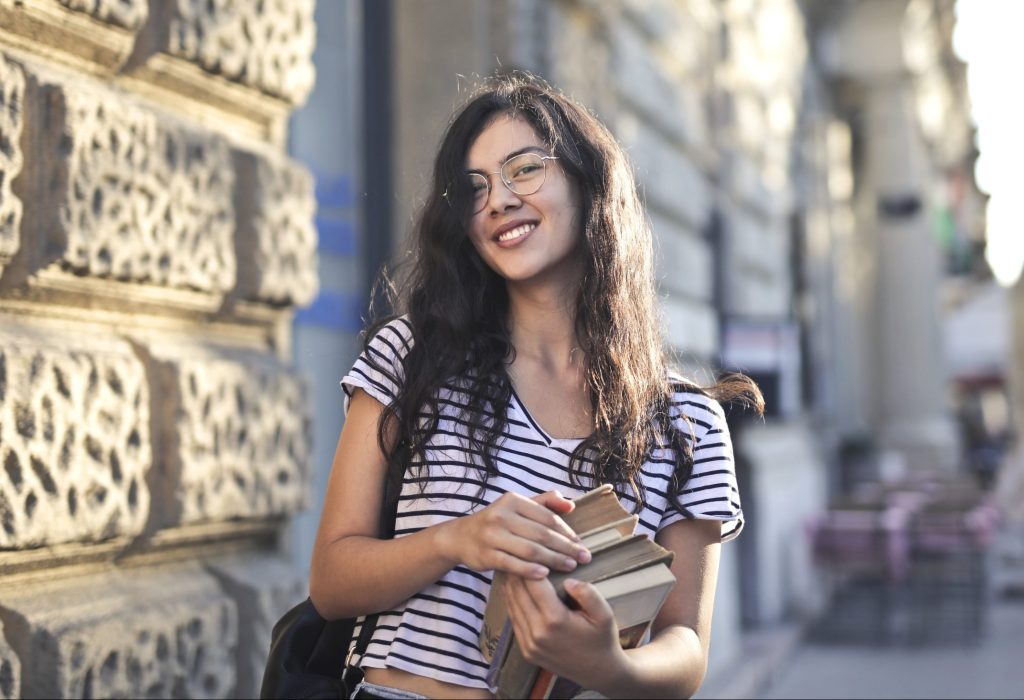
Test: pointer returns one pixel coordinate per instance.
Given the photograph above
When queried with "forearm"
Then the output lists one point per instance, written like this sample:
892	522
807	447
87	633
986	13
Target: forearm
359	575
672	665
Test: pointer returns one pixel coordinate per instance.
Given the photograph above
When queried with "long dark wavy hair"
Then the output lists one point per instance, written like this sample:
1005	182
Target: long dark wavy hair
458	307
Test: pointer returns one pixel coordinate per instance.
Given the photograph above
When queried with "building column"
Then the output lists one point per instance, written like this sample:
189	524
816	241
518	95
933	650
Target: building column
910	413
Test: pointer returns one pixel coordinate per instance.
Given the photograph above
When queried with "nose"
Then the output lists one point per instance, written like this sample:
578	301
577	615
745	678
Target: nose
501	197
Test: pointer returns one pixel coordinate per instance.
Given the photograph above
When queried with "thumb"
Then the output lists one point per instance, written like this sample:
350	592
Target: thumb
591	603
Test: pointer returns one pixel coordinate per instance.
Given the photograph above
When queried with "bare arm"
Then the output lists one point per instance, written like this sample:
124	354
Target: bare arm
672	665
354	572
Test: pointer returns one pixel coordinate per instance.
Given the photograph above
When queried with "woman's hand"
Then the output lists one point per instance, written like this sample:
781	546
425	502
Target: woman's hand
519	535
579	644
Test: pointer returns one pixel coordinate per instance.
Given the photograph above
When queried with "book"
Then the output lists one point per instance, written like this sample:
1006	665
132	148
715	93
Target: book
630	571
598	518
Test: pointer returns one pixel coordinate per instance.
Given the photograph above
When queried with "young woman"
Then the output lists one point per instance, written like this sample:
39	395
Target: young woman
527	368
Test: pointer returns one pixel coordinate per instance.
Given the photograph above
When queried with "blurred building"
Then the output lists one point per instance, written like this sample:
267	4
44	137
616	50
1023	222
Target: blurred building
807	168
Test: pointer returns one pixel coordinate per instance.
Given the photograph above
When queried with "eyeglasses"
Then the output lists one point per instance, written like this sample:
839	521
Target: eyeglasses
522	174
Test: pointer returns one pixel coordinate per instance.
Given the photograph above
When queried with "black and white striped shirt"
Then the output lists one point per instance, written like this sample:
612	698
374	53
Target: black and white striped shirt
436	632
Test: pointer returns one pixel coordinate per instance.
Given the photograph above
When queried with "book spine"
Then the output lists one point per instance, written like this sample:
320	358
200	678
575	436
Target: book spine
517	676
502	645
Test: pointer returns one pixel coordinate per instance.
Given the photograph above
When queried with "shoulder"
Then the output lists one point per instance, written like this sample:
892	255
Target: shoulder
691	405
391	337
380	368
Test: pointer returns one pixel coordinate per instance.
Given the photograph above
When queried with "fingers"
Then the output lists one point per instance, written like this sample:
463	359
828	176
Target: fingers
531	532
555	501
534	608
549	537
523	536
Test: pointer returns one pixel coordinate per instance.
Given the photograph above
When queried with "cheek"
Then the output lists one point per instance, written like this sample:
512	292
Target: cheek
476	233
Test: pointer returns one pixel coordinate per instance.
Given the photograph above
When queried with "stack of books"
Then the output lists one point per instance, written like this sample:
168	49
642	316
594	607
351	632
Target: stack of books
631	571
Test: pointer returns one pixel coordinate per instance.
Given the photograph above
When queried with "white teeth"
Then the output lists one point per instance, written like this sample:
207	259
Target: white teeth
516	232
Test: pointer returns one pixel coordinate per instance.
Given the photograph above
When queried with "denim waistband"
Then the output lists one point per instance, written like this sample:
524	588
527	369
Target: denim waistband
372	690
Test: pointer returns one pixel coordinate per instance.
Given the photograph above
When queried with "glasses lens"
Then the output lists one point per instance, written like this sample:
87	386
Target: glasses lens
478	189
524	174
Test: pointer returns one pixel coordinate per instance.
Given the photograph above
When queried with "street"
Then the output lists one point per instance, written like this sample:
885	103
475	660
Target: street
993	668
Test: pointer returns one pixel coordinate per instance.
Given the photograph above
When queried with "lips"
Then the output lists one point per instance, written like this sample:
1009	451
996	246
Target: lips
513	233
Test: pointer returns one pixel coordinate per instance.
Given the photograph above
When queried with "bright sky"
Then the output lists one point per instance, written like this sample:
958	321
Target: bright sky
987	36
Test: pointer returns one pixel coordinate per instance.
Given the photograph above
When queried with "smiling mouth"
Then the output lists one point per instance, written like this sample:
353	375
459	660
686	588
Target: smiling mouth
517	232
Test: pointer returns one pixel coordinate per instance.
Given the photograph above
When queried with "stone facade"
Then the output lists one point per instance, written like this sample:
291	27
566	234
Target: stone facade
155	240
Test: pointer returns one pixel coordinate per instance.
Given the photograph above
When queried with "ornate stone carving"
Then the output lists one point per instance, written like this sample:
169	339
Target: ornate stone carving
276	241
129	14
144	633
10	670
132	196
94	36
74	438
234	434
12	100
263	588
265	44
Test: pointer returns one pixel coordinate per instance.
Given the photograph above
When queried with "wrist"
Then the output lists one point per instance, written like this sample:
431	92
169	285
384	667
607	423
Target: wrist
446	538
616	677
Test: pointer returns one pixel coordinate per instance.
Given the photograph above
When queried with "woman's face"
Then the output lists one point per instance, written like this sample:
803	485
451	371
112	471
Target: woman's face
525	238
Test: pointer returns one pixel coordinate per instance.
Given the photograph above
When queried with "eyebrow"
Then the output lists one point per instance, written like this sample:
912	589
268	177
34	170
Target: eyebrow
513	154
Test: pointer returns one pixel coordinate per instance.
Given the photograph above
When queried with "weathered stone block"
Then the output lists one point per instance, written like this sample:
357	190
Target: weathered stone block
10	670
133	634
233	434
12	100
264	44
129	14
276	241
74	437
94	36
122	193
263	589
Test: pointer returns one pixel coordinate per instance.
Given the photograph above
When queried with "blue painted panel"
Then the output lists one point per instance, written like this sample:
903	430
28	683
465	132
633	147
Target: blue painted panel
336	310
337	236
334	189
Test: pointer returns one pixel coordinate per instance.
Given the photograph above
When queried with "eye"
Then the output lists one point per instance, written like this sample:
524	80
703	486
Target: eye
477	183
525	169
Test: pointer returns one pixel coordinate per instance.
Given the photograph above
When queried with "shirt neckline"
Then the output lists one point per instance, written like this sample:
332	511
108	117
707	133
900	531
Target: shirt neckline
537	427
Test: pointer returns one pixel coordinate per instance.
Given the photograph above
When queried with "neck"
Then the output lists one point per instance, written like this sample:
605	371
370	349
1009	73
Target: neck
542	326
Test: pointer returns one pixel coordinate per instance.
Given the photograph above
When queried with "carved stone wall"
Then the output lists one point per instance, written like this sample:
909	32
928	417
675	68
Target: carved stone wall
265	49
74	437
12	96
155	241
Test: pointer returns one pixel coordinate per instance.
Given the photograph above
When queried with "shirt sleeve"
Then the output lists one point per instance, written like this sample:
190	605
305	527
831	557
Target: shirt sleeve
711	492
379	370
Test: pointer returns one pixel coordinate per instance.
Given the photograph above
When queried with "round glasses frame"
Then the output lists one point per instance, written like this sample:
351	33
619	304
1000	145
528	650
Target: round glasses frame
509	177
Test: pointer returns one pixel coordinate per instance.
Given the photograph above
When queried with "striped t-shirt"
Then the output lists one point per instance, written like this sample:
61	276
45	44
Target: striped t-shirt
436	632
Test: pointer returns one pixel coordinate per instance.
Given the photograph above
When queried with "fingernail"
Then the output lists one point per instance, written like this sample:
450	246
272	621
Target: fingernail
583	556
540	571
569	564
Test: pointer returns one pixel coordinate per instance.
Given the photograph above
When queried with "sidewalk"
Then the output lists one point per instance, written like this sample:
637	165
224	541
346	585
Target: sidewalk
782	664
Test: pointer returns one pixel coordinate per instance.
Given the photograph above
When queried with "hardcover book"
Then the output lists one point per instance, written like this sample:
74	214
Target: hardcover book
630	571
